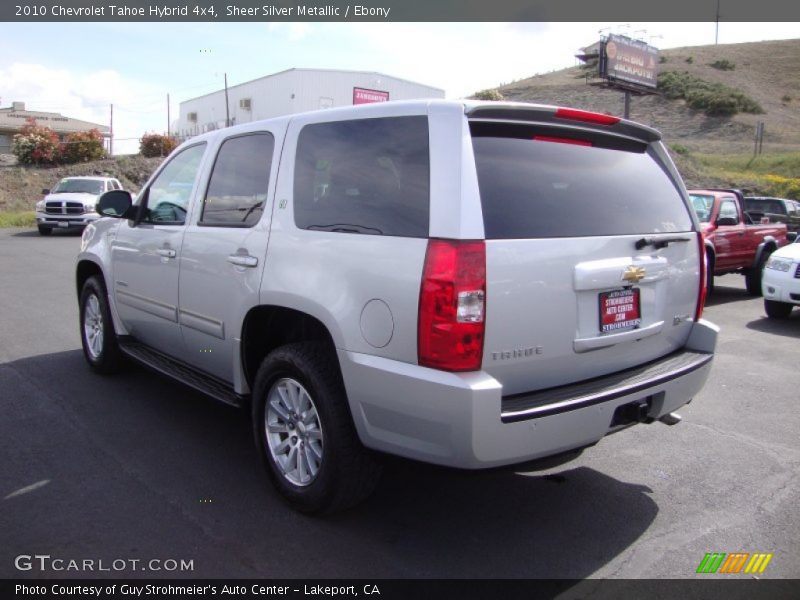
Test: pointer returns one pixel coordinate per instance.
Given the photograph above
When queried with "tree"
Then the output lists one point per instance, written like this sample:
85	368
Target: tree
83	146
154	144
36	145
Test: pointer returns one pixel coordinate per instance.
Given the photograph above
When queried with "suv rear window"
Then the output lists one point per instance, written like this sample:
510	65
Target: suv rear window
369	176
543	189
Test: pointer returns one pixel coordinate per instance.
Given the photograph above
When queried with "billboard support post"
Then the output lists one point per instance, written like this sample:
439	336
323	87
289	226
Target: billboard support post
627	104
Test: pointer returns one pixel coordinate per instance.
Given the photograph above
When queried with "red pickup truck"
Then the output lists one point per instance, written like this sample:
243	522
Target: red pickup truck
733	243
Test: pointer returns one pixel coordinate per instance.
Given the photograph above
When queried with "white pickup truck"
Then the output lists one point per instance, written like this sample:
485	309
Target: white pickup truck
71	204
467	284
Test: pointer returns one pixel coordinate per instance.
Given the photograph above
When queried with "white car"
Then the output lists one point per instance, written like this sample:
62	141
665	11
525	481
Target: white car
781	282
70	205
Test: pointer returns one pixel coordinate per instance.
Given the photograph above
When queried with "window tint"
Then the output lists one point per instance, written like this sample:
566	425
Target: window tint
237	190
539	188
728	210
368	176
169	194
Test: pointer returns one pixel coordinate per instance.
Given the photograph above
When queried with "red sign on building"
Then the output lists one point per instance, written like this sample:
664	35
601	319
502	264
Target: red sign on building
365	96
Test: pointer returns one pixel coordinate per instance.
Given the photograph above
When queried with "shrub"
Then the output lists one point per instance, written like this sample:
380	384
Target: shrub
679	149
723	65
690	60
786	99
36	145
715	99
782	187
83	146
488	95
662	59
155	144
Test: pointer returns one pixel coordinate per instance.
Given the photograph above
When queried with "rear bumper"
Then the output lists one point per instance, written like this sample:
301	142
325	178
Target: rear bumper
462	420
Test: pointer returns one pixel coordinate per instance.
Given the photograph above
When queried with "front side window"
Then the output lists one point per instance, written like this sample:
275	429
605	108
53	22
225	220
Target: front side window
169	194
237	190
365	176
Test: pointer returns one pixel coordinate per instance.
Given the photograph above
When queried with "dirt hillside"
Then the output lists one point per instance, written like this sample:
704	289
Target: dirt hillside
768	72
21	187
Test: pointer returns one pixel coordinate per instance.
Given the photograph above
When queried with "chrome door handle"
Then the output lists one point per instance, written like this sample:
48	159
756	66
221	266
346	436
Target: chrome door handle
243	260
166	252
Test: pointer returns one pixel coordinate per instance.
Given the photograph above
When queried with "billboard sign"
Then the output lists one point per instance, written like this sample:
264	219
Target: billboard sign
365	96
626	60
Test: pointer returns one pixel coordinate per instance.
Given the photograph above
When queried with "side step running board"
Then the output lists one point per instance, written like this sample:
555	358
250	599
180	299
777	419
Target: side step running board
211	386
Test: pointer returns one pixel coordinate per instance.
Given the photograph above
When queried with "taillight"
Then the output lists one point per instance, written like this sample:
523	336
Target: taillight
586	116
701	295
452	305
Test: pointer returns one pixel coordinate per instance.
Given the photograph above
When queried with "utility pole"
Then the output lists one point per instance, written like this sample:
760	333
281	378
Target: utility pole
168	126
716	35
227	112
111	133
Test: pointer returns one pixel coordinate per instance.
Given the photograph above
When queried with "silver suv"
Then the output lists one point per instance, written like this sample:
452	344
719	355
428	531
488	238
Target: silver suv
466	284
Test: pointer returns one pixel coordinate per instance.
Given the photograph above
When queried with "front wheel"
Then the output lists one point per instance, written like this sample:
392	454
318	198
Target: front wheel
304	432
98	338
754	275
44	230
777	310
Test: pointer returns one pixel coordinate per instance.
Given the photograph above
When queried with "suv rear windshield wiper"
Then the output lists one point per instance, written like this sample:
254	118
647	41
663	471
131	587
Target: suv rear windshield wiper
658	243
346	228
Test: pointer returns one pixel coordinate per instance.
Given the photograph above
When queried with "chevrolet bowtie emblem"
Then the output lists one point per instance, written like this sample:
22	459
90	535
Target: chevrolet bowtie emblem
633	274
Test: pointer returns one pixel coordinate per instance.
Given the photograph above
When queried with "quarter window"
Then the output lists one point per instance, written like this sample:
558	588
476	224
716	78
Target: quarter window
237	190
366	176
169	194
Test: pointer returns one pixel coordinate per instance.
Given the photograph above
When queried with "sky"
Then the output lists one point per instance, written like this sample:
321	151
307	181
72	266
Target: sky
80	69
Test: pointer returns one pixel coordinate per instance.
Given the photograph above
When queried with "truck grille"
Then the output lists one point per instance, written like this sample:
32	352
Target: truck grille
797	272
57	207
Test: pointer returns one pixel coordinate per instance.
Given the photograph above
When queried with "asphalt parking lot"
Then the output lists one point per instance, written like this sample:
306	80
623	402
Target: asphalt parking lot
138	467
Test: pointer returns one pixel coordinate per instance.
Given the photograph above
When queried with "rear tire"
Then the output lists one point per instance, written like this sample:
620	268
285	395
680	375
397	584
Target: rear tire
777	310
44	230
304	432
98	338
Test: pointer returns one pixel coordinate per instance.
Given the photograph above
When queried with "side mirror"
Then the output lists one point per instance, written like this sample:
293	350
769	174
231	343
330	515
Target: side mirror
45	191
116	203
722	221
791	236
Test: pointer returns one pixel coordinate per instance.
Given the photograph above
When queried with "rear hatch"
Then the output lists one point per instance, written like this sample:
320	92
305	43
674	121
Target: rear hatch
592	258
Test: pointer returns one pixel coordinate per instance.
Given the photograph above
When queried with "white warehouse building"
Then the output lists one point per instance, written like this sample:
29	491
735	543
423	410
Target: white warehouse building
293	91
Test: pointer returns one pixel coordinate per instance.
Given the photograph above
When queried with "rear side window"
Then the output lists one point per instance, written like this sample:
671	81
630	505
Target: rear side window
561	186
237	190
368	176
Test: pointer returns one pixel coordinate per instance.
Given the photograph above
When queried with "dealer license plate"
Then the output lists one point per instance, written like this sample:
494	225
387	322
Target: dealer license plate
619	310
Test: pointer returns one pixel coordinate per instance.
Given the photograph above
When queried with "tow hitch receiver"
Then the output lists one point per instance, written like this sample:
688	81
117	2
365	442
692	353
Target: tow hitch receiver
632	412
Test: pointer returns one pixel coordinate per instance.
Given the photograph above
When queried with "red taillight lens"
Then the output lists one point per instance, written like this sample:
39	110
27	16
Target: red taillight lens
701	295
586	116
452	305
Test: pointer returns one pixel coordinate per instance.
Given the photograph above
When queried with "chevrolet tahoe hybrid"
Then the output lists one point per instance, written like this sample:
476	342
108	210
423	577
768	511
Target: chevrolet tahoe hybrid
466	284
